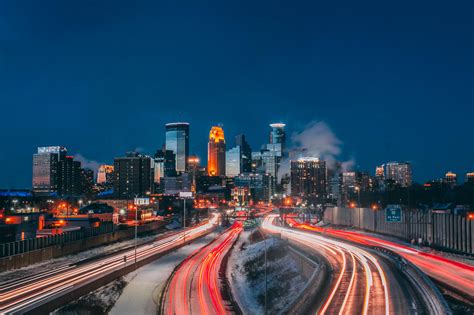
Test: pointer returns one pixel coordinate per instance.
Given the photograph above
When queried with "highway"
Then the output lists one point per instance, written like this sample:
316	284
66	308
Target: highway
361	282
194	287
26	294
456	275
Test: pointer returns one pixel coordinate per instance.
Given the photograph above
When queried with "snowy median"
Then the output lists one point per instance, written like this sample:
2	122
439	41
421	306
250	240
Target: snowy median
246	273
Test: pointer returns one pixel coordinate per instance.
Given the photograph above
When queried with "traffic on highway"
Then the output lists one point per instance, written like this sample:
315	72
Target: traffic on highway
25	294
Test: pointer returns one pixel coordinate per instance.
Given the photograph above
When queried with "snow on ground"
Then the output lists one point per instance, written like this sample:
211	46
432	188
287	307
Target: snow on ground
71	259
99	301
246	274
141	295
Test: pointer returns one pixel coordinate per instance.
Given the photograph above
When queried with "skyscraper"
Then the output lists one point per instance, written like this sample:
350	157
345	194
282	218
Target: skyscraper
177	140
233	159
132	175
450	178
278	136
246	154
216	152
399	172
69	177
309	178
45	168
165	164
470	177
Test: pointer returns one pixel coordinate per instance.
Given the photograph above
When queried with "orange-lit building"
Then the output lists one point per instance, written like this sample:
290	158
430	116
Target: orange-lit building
105	174
450	178
216	152
470	177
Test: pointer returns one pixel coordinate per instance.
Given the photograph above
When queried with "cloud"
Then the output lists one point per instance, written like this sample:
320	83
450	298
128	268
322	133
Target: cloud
317	140
86	163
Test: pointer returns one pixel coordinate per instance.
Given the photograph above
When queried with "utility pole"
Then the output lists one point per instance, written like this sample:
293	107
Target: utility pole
185	195
136	228
184	220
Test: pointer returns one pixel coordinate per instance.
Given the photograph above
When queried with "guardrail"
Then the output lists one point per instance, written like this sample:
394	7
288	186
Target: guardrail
429	293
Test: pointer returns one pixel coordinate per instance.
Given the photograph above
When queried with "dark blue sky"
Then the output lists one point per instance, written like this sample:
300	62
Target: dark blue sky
394	81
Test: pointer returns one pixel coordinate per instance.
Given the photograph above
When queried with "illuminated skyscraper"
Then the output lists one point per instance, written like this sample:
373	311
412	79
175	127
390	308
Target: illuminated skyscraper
45	169
277	137
216	152
470	177
309	178
69	177
246	154
177	140
132	175
233	159
450	178
399	172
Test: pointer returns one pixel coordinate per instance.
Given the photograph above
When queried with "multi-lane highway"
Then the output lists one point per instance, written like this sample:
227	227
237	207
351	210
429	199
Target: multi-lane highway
194	288
458	276
27	294
362	283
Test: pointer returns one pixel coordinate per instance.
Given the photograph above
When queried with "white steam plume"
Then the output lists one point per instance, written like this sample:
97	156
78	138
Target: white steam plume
316	140
86	163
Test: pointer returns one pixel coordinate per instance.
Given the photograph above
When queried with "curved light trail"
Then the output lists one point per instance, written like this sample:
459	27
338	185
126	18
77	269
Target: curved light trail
25	294
455	274
347	260
194	287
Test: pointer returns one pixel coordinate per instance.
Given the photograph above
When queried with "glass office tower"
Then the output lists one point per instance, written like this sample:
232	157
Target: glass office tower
278	136
177	140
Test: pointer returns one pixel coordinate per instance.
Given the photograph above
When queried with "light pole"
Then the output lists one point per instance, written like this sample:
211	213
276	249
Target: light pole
357	188
136	226
184	220
185	195
265	265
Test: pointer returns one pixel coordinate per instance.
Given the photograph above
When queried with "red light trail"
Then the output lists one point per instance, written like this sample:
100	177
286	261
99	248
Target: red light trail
194	287
455	274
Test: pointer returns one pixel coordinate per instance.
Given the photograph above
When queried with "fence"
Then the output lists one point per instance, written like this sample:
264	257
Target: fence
445	231
20	247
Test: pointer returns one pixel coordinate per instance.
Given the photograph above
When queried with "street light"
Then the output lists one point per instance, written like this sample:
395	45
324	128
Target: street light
357	188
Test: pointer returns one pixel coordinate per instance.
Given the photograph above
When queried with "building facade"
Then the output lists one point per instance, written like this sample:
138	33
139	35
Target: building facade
399	172
233	162
45	169
309	178
177	140
216	152
246	153
69	177
105	174
278	136
132	175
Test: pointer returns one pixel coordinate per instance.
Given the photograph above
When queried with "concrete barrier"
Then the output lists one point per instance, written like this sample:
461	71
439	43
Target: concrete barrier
36	256
445	231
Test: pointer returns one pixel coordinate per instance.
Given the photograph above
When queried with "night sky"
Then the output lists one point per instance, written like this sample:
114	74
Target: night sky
393	81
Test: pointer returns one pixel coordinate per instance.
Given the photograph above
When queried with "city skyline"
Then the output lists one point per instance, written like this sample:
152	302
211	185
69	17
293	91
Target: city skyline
295	146
104	79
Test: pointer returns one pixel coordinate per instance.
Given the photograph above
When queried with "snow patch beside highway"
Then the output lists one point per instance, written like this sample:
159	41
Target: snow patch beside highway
246	274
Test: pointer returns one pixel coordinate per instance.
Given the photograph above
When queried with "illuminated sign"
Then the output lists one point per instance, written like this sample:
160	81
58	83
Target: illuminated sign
141	201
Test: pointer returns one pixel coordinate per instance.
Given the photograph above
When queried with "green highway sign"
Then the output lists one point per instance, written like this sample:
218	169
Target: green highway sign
393	214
